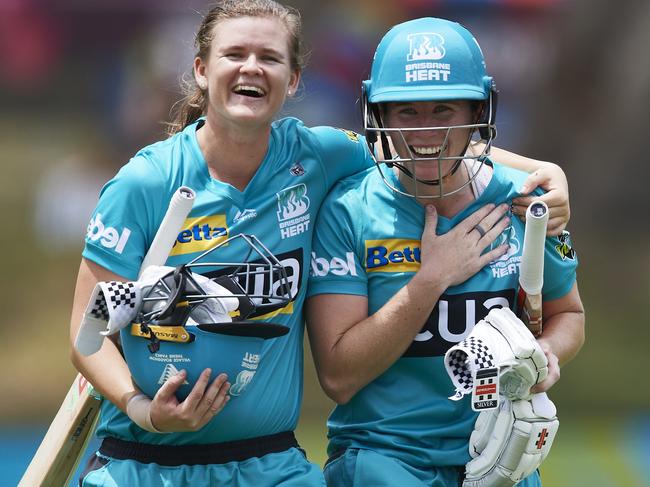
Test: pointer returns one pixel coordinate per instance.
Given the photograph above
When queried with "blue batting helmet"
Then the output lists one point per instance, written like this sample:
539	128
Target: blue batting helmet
428	59
186	318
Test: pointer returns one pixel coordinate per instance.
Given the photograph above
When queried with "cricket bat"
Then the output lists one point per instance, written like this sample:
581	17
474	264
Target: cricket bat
531	272
65	441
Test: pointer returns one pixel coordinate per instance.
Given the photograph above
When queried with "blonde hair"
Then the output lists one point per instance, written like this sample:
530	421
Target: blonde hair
194	101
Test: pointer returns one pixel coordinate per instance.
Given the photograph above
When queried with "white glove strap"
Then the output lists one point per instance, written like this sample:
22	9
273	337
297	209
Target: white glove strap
138	408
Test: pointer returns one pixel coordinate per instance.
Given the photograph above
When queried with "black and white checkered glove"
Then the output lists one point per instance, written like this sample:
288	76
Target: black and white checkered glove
112	306
502	341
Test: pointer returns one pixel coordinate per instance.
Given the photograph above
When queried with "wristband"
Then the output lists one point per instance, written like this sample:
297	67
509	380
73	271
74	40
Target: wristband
138	408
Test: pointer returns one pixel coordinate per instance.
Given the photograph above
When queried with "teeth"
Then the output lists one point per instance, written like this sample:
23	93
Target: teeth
427	151
251	88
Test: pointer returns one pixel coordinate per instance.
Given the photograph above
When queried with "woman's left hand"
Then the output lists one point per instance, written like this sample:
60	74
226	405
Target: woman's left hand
552	179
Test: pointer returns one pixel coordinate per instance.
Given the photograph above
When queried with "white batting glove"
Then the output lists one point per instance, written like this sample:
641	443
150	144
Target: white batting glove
499	341
508	444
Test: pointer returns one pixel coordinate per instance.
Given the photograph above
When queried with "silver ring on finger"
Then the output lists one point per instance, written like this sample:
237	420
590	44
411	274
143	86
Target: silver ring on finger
480	230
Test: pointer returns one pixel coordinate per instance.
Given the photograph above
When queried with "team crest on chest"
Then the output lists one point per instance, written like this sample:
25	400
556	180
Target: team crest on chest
293	210
508	263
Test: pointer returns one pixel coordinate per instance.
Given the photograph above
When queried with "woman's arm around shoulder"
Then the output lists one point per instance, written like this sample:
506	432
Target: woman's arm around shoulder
546	175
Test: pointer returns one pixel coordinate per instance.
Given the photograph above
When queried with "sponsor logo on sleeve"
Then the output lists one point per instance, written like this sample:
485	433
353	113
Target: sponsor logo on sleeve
353	136
337	266
109	237
293	217
200	234
564	248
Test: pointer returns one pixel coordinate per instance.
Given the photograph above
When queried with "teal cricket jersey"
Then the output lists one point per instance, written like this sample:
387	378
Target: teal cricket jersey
279	206
367	243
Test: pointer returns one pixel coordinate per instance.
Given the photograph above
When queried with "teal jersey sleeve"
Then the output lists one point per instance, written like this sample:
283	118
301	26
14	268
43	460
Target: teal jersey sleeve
124	221
337	251
343	153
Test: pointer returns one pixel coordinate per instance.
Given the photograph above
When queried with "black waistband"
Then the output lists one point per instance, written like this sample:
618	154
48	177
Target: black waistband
175	455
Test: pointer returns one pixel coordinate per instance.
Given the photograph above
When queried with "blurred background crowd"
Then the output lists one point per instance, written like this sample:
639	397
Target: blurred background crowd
83	85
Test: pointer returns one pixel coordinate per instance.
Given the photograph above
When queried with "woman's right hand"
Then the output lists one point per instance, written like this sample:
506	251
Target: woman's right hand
457	255
202	404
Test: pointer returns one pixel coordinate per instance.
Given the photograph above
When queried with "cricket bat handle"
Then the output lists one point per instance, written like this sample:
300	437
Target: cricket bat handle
531	273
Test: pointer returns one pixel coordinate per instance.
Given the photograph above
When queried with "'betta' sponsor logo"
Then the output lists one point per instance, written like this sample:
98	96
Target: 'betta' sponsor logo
200	234
109	237
392	255
337	266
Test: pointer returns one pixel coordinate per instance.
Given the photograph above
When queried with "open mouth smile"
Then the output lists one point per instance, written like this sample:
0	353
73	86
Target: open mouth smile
249	90
426	150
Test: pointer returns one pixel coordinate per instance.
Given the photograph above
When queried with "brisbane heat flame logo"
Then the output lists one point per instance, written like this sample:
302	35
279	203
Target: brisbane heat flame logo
426	47
292	202
423	61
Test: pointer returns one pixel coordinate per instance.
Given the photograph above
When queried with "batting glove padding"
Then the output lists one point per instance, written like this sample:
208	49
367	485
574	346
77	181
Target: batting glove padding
508	444
500	340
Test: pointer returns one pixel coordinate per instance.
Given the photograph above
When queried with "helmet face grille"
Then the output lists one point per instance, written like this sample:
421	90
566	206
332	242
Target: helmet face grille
380	144
258	281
